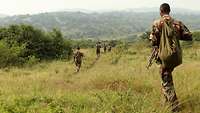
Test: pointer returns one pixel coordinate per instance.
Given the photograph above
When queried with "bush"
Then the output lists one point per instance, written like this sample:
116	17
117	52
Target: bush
83	43
32	60
196	36
10	55
25	44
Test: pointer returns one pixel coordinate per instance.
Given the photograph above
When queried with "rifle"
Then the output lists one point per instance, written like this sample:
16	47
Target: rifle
154	56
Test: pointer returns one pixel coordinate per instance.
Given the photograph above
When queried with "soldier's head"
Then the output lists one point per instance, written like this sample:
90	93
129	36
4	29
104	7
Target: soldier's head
164	9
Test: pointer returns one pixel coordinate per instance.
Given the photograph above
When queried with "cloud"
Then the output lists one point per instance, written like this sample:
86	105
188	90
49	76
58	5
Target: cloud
36	6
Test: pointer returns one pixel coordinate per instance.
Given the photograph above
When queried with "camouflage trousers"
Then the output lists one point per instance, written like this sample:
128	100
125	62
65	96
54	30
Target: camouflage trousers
168	87
98	53
78	65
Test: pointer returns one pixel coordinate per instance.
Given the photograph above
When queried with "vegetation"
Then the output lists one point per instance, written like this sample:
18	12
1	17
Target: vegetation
109	25
83	43
21	44
116	83
196	36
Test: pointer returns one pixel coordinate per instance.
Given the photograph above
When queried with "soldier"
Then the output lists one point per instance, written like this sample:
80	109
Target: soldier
166	33
109	47
78	56
98	49
104	47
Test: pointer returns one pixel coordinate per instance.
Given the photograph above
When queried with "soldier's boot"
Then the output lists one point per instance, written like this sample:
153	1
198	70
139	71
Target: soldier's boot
77	69
174	102
176	106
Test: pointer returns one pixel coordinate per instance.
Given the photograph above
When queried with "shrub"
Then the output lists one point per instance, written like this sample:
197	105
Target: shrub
11	54
25	44
196	36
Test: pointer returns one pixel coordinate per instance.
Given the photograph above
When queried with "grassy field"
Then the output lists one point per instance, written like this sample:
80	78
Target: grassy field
117	82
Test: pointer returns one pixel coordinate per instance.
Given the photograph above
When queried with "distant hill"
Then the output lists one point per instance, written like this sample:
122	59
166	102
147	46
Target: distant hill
3	15
115	24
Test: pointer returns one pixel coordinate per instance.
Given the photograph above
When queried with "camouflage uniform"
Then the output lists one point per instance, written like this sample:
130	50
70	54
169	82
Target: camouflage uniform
78	59
98	49
166	73
104	47
109	48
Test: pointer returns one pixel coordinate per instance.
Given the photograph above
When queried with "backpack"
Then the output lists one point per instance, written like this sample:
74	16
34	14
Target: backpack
170	52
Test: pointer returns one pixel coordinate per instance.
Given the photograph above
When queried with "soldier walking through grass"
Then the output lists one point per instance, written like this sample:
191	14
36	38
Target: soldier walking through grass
78	56
109	47
104	47
165	35
98	49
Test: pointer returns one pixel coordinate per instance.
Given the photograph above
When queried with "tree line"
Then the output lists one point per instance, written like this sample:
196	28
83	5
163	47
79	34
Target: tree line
24	44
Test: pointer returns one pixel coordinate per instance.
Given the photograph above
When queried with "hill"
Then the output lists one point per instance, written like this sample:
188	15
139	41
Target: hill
116	24
3	15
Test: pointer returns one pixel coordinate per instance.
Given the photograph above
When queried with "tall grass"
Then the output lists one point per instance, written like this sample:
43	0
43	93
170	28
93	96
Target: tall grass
114	83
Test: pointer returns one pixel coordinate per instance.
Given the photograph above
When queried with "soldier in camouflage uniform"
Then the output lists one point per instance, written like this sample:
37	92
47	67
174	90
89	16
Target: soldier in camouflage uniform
78	56
98	49
104	47
109	47
182	33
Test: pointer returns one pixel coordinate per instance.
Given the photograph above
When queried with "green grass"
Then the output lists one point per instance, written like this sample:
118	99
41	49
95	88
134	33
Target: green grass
118	82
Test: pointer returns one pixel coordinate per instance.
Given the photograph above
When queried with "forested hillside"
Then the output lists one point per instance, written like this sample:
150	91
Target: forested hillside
98	25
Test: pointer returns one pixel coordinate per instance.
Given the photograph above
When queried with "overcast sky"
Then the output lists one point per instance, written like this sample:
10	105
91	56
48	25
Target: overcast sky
12	7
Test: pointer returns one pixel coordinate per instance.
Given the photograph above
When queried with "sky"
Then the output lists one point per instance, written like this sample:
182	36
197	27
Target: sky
15	7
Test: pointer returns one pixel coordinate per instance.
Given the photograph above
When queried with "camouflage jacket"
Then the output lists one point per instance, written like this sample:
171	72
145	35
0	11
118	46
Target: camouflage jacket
98	46
181	30
78	56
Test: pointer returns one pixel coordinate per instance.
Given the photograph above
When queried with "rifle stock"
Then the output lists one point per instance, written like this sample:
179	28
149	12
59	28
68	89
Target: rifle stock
153	57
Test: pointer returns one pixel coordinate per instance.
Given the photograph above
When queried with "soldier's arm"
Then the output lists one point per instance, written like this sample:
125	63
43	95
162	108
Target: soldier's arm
186	35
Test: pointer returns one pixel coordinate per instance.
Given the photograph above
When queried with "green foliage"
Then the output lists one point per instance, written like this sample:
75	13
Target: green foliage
83	43
121	48
83	25
126	87
121	102
32	60
196	36
113	43
98	25
145	35
25	43
186	44
11	54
